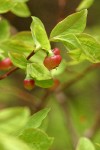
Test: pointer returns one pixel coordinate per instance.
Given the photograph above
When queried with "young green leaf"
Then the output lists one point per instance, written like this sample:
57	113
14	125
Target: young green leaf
70	41
21	10
8	142
44	83
36	139
74	23
84	4
90	46
24	37
85	144
38	71
36	119
10	118
6	5
18	60
4	30
21	1
77	55
39	34
16	46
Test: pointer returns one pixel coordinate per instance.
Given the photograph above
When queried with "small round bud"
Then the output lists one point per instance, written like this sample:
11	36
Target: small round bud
5	64
52	62
56	51
29	84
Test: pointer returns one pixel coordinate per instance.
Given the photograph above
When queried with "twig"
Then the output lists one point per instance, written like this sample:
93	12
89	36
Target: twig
78	77
15	68
63	101
43	101
19	93
90	133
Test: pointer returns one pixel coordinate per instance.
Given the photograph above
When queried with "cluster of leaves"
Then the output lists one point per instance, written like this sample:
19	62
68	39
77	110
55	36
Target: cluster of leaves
20	131
80	46
18	7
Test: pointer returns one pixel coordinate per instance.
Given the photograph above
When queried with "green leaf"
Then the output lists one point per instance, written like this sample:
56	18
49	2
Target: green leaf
4	30
44	83
77	55
38	71
85	144
90	46
21	1
24	37
39	34
36	139
74	24
74	47
8	142
6	5
39	57
84	4
18	60
21	10
70	41
36	120
16	46
13	119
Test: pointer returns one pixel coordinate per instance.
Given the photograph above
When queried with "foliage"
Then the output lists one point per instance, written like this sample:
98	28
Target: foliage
27	51
25	135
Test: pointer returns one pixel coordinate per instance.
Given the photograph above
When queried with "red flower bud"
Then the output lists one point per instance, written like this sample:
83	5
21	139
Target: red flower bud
52	62
56	51
5	64
29	84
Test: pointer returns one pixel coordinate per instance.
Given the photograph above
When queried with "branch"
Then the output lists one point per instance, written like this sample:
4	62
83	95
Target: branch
15	68
43	101
63	101
78	77
90	133
24	95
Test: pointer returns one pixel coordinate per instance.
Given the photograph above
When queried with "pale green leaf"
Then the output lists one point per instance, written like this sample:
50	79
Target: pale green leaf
85	144
74	23
90	46
38	71
84	4
44	83
39	57
39	34
25	37
21	1
4	30
6	5
21	10
70	41
77	55
36	119
16	46
36	139
13	119
18	60
8	142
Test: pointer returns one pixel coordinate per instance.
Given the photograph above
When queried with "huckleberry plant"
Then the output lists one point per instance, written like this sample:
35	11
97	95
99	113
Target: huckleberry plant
31	52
